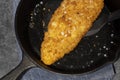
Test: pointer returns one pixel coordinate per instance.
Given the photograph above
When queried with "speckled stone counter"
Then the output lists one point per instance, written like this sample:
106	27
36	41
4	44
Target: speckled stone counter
10	54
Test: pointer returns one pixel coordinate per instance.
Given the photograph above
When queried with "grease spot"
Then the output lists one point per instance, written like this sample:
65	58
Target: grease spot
41	2
105	55
91	61
111	42
104	47
99	54
112	35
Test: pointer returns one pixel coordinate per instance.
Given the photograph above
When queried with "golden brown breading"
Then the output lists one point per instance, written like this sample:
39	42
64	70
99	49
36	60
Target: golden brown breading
69	23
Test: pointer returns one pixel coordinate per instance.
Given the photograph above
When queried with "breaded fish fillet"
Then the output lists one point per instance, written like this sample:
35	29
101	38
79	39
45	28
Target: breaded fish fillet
69	23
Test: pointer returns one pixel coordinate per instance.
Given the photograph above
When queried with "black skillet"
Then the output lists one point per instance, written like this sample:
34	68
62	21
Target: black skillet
92	53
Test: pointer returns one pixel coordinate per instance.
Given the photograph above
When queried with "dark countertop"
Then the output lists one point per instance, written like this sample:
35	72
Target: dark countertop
10	55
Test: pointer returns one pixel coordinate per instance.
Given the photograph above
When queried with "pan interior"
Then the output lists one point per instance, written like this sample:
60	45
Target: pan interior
91	52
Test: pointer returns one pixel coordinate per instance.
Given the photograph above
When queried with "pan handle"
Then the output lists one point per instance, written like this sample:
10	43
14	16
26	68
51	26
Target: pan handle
20	70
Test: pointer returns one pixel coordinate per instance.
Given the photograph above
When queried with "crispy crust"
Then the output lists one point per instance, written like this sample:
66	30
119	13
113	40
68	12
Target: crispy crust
68	25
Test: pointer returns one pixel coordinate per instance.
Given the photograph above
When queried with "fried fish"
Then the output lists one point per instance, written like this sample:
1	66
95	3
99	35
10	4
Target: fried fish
69	23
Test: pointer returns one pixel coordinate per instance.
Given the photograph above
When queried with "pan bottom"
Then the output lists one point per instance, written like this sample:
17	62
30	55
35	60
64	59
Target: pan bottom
91	53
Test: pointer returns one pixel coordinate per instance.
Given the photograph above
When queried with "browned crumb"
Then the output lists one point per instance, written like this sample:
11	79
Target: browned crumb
69	23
